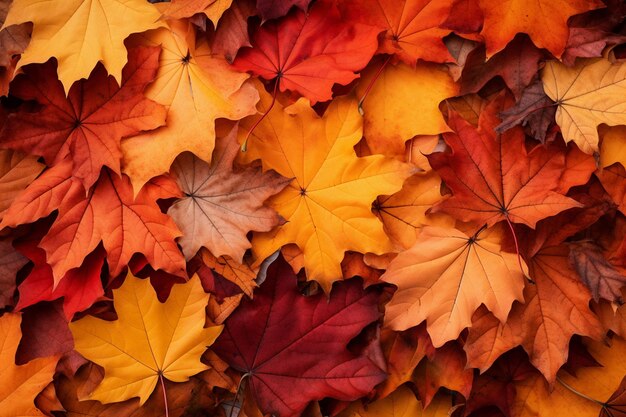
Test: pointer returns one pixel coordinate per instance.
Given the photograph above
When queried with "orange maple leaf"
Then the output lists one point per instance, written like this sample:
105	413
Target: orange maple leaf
446	276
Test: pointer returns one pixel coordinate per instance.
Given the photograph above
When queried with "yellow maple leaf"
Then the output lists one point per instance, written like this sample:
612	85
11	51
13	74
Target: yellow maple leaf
402	103
328	203
197	88
148	340
588	94
19	385
81	33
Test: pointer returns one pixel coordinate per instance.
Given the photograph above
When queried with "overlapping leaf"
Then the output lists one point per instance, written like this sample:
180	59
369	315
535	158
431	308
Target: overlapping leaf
196	87
494	178
90	123
328	203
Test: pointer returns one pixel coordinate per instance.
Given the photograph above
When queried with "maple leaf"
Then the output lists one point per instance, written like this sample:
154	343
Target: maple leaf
446	276
496	386
465	17
591	33
292	359
309	53
494	178
150	340
109	213
20	384
213	9
89	124
403	102
221	205
412	27
79	33
587	94
504	19
13	40
197	88
328	203
17	171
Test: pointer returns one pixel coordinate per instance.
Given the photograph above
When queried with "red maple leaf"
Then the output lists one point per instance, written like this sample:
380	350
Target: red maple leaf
90	122
310	52
292	359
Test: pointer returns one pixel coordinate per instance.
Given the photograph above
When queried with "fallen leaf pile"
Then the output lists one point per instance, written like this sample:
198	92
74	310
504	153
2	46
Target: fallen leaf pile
342	208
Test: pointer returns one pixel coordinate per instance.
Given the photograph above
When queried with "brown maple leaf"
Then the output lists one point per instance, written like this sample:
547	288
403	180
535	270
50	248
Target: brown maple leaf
222	203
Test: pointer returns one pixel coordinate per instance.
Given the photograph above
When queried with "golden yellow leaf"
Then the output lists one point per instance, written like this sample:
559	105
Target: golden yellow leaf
588	94
402	103
197	88
328	203
19	385
81	33
148	339
446	276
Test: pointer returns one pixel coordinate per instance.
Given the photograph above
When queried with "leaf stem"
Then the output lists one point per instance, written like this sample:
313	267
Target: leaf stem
580	394
519	257
371	84
244	145
167	413
239	388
